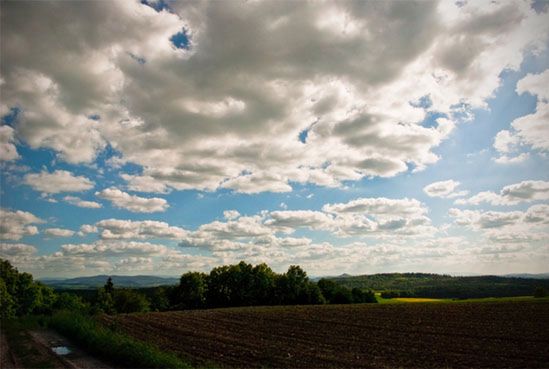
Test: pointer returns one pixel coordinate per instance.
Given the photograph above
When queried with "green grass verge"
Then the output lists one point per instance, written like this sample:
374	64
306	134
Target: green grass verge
118	348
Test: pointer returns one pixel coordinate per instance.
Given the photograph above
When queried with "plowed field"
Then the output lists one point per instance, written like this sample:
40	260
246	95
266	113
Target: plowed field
461	335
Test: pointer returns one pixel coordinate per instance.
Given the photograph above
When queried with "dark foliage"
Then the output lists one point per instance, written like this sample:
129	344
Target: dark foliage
442	286
21	295
540	292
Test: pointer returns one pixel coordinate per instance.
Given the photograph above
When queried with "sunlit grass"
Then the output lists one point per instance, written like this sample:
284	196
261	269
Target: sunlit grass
404	300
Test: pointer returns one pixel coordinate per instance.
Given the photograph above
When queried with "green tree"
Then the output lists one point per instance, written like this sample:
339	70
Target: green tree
263	285
109	286
540	292
104	302
22	294
334	293
159	299
72	302
360	296
130	301
191	292
294	287
7	303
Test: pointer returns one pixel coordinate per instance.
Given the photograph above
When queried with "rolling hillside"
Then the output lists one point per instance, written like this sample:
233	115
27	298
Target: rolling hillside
444	286
138	281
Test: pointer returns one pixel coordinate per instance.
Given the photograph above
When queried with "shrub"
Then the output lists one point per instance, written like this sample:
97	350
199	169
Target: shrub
113	346
540	292
130	301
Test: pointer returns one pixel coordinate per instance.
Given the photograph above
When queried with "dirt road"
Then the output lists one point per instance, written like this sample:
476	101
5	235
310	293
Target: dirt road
71	356
44	348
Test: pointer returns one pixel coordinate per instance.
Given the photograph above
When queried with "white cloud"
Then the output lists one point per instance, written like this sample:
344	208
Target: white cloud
16	249
286	70
114	248
14	225
535	84
133	203
529	130
489	219
57	182
134	264
537	214
525	191
127	229
144	184
504	159
8	151
76	201
444	189
59	232
521	221
290	220
87	228
230	214
505	141
380	206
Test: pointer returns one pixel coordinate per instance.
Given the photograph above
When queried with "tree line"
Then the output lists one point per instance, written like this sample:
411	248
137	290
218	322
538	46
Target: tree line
444	286
240	284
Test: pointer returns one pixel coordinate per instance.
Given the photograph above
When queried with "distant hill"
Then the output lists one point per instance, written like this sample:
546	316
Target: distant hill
529	275
138	281
444	286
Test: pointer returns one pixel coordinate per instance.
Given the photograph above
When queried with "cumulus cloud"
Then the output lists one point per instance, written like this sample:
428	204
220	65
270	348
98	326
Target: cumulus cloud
444	189
86	229
114	248
536	215
76	201
529	130
363	217
133	203
8	151
289	221
127	229
59	232
57	182
16	249
141	183
230	214
379	206
525	191
134	264
253	107
14	225
504	159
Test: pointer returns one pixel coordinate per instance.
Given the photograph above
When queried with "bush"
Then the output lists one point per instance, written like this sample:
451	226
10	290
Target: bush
540	292
360	296
113	346
69	301
21	295
130	301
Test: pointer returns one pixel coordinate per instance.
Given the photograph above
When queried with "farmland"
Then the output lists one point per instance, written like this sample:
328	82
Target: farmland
488	334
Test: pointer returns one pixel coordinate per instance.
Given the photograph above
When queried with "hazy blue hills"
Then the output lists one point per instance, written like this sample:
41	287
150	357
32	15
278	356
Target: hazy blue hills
137	281
529	275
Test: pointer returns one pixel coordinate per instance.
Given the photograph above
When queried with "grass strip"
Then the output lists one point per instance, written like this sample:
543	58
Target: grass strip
118	348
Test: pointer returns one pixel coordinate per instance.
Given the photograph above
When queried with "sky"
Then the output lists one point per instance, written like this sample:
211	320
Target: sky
158	137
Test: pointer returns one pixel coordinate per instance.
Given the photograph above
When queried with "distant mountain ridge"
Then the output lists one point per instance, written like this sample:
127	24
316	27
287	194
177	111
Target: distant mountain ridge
137	281
380	281
529	275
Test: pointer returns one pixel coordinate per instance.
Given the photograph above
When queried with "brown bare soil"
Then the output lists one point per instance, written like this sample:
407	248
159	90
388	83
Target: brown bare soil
461	335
